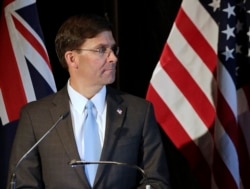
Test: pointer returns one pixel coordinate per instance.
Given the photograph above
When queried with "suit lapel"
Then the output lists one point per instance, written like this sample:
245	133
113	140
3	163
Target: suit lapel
115	116
65	130
116	112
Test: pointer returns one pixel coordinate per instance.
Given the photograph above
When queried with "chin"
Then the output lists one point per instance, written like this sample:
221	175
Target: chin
111	81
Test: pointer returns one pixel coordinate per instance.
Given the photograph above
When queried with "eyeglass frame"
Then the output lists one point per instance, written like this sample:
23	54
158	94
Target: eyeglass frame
102	50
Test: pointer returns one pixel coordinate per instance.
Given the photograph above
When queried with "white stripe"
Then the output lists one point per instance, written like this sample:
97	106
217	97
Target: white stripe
191	61
26	25
27	51
227	151
19	55
183	111
3	112
227	88
203	21
38	62
23	3
35	58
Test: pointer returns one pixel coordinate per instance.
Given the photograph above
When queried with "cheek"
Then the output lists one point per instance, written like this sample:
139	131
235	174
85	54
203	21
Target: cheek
87	63
94	70
101	66
91	65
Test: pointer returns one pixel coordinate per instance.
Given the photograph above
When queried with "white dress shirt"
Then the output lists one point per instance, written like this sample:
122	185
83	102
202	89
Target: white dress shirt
77	106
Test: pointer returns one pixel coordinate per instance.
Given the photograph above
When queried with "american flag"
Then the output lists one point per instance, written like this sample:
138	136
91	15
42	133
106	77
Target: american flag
200	90
25	70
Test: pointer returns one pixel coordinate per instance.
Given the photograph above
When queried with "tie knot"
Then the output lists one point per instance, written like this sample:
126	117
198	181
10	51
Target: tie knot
90	108
89	104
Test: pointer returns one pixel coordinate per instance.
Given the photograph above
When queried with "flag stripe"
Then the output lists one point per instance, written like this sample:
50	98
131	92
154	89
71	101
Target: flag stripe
29	36
193	132
182	140
196	40
201	19
221	174
189	55
10	82
189	88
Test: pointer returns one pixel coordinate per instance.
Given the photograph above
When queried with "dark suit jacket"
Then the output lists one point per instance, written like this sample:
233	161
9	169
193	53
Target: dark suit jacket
132	136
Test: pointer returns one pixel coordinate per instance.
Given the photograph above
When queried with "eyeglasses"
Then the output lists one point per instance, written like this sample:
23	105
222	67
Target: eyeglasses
103	50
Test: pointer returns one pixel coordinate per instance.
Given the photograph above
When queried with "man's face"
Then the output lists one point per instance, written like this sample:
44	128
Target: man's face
96	60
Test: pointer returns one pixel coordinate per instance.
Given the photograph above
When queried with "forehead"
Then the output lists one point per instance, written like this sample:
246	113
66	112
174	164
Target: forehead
103	38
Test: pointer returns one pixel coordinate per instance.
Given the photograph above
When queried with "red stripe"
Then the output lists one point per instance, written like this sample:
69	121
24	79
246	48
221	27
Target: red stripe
222	176
188	86
4	4
167	120
196	40
231	127
180	138
32	40
227	118
10	81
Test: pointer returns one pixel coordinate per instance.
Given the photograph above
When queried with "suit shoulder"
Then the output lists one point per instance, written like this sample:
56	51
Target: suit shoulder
45	101
128	97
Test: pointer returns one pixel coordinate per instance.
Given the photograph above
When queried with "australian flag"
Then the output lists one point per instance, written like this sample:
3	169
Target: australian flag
25	70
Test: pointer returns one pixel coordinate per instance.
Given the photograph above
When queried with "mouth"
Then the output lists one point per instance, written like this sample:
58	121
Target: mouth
111	69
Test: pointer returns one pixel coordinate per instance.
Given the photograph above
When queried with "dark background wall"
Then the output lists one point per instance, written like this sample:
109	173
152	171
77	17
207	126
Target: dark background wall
141	30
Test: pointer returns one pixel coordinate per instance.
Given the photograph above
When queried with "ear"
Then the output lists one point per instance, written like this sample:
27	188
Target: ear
71	59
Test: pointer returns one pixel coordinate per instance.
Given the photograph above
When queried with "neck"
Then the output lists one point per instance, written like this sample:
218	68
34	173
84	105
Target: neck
87	91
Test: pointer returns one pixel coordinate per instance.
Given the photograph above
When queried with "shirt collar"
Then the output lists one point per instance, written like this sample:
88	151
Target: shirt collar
78	101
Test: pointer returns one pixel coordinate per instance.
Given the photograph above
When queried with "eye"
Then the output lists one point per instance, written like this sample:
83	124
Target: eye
115	49
102	50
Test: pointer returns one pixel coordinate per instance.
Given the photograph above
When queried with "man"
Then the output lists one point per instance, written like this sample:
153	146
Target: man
127	129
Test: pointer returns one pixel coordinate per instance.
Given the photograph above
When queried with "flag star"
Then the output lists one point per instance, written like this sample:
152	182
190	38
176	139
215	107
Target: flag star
119	111
228	53
248	33
238	49
242	6
239	26
229	32
229	10
237	70
215	4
